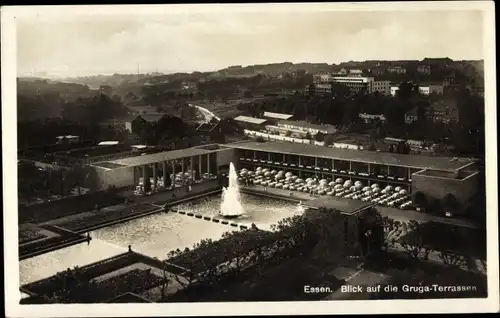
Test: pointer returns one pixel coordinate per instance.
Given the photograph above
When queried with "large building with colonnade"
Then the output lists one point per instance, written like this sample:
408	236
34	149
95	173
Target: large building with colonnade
429	177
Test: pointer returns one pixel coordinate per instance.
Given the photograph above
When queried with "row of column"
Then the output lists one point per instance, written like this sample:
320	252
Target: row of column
145	173
407	173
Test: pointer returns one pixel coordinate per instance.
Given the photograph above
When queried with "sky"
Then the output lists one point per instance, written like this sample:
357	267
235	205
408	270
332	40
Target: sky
74	44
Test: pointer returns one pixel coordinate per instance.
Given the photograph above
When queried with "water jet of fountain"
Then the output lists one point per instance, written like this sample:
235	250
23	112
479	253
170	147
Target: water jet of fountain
231	203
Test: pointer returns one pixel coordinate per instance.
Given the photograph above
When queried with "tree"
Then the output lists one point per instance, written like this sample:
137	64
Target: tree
320	136
288	133
435	206
165	281
308	136
413	242
451	203
452	259
420	199
329	140
392	231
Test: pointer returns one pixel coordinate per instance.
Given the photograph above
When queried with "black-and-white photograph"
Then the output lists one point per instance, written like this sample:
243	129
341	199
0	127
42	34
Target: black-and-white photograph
251	153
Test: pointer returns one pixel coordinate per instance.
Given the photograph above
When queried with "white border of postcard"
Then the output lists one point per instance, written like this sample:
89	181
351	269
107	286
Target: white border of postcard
9	135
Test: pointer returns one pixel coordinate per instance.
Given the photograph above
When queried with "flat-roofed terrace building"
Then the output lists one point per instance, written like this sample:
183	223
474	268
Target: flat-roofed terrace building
162	167
251	123
456	174
306	127
277	116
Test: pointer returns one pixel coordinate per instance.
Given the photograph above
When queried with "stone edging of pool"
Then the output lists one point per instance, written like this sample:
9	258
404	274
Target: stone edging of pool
120	220
269	195
211	219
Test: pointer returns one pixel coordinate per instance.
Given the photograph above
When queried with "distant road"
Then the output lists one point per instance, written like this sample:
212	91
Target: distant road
205	112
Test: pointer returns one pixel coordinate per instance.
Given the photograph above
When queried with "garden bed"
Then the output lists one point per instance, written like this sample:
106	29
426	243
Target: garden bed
136	281
63	238
105	217
77	285
28	235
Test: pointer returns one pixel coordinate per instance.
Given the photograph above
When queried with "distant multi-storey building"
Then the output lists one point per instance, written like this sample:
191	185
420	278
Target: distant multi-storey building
431	89
355	84
424	69
355	72
383	87
394	90
322	78
397	69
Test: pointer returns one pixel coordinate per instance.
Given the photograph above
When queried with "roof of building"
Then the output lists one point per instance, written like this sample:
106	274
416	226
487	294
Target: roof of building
383	158
345	206
159	157
251	120
372	116
412	141
305	124
67	137
108	143
352	79
393	139
277	115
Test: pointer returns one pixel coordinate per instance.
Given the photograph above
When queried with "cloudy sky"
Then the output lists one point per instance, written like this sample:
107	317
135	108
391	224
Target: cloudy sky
82	44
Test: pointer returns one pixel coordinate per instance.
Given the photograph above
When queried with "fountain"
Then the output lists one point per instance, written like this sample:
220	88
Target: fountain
231	207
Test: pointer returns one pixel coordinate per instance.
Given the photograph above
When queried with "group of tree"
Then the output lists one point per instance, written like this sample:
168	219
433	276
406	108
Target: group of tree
37	182
42	99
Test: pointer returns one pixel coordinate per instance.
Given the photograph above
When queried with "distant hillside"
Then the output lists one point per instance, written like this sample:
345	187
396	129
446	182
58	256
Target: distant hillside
37	86
275	69
109	80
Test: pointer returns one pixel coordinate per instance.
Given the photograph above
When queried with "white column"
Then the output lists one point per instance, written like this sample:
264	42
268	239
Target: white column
199	164
191	176
165	173
154	176
208	164
182	166
173	173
